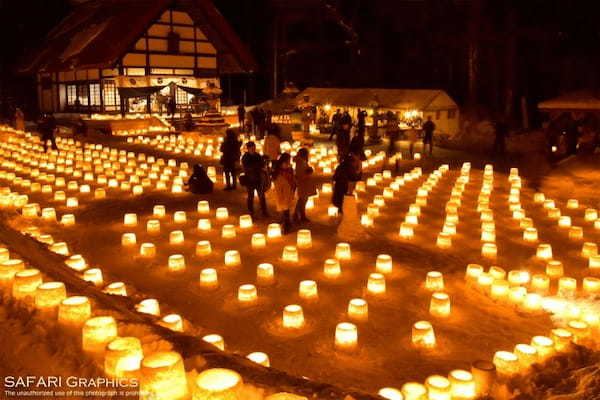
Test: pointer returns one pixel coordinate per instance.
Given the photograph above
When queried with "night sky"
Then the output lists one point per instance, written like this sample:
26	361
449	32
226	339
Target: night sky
535	48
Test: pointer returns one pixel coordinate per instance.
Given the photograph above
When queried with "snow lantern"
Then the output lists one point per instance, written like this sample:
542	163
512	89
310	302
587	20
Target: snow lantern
247	294
97	332
293	317
208	278
163	377
258	241
346	336
439	305
123	356
259	358
217	384
423	335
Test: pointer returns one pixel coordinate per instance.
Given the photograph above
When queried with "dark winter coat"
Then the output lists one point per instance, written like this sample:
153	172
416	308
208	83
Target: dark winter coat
349	171
199	182
230	153
254	165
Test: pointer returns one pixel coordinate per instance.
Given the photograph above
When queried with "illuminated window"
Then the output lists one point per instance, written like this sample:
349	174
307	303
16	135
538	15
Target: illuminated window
135	71
94	94
71	94
451	114
82	94
161	71
182	97
111	96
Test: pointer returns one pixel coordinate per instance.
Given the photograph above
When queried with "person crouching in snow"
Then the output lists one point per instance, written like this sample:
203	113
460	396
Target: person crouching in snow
285	186
345	177
199	182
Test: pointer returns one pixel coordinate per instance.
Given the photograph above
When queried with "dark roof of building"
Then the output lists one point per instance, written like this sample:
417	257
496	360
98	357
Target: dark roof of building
421	99
97	33
585	99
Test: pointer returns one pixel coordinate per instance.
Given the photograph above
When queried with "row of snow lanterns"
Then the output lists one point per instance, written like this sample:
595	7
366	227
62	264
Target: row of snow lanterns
161	374
97	165
411	219
580	328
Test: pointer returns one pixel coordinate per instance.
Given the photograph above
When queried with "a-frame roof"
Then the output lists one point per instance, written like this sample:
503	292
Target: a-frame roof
97	33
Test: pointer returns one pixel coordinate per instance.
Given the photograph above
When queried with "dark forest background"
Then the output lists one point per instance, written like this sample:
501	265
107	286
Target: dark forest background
492	56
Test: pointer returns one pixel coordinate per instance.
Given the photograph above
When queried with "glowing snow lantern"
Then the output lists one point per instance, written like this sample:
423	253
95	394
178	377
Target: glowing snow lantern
76	262
444	240
332	211
506	362
591	214
567	287
591	286
462	384
258	241
222	213
228	232
259	358
123	356
4	254
594	263
576	233
580	330
414	391
326	188
204	224
499	290
247	294
406	230
473	272
274	231
434	281
74	311
232	258
497	273
60	248
517	278
342	251
589	249
554	269
526	354
176	263
376	283
265	274
423	335
383	264
307	290
530	235
544	346
97	332
358	310
148	306
438	388
128	239
130	219
163	377
540	284
390	393
346	336
290	254
203	248
439	305
303	239
332	268
208	278
179	217
49	295
217	384
532	302
159	211
93	275
116	288
293	317
203	207
245	221
172	322
489	250
562	339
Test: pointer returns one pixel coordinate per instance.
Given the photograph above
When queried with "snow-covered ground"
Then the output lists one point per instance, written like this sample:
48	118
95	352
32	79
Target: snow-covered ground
476	328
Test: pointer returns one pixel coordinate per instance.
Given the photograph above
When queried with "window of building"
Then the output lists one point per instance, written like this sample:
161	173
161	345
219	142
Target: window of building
71	94
135	71
451	114
181	97
173	43
438	114
82	94
94	94
111	96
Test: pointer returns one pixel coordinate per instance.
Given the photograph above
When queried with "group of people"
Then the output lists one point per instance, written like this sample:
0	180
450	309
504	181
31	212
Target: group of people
257	121
347	135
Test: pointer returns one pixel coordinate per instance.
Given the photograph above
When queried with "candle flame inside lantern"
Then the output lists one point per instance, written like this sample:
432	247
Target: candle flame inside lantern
358	310
123	356
414	391
247	293
544	346
203	207
172	322
215	340
97	332
217	384
180	217
232	258
423	335
293	317
273	231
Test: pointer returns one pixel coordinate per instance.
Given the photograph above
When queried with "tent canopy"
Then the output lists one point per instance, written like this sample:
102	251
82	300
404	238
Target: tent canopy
580	100
399	99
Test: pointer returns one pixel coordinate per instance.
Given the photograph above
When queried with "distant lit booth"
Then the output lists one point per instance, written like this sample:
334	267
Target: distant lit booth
410	107
126	58
575	113
285	111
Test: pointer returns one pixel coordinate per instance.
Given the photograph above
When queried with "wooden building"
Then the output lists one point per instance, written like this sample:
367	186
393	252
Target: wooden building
120	56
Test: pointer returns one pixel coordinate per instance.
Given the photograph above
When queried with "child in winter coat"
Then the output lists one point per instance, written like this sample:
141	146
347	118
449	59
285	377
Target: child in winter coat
199	182
285	186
